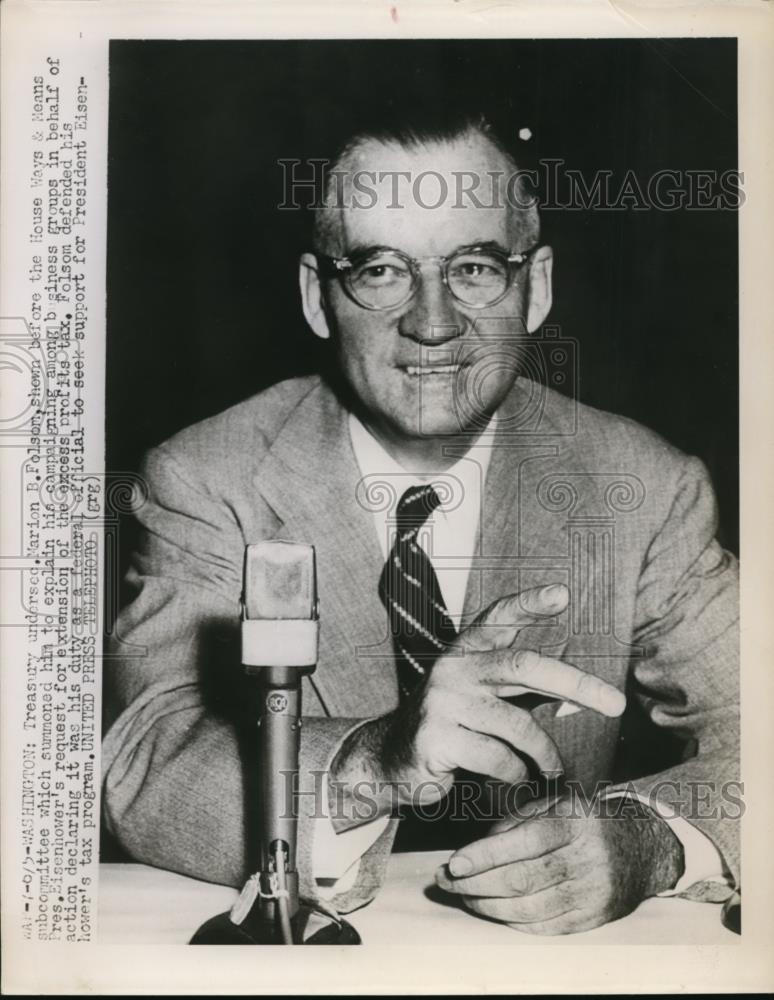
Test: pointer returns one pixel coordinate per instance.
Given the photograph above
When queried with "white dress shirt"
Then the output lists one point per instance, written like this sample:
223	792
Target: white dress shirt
449	539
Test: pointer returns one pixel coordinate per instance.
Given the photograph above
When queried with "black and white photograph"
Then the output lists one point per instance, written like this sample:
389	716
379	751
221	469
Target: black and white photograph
442	334
402	608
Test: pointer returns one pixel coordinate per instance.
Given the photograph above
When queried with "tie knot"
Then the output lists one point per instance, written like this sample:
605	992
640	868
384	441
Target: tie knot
415	506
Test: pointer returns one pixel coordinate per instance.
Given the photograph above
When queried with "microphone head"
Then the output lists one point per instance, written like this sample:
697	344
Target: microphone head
280	581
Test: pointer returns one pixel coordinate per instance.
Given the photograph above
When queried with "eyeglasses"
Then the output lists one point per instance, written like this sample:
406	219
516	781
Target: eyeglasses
383	278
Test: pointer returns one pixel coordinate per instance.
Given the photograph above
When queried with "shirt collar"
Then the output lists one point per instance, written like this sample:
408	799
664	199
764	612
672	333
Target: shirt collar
374	460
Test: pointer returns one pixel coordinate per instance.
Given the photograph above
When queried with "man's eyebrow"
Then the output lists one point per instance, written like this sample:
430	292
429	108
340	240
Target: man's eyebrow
364	249
485	245
361	249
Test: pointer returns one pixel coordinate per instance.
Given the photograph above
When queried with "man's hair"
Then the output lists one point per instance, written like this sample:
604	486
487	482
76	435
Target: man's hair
426	125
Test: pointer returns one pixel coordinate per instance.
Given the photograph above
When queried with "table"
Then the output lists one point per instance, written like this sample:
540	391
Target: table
143	905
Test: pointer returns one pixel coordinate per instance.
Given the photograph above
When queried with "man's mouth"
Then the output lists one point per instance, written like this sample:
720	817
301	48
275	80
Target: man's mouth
419	371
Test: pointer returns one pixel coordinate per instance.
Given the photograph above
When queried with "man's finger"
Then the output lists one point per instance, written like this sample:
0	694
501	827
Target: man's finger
532	839
520	879
487	755
549	904
501	622
514	727
572	922
524	668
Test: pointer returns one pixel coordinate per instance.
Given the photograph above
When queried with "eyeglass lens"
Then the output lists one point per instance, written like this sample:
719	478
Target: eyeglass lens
386	279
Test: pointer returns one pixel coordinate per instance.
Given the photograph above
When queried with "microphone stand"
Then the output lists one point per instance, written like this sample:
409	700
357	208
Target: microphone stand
268	910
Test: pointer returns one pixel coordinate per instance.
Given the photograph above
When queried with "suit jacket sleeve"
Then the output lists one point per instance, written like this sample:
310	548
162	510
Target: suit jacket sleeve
686	677
178	767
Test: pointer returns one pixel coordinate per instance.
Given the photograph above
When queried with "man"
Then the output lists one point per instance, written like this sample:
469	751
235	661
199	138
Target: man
479	537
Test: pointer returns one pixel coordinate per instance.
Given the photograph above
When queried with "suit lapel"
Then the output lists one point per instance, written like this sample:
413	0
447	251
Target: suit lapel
524	543
515	536
309	478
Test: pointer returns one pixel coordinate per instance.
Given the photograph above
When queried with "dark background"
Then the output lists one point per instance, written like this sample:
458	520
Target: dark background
203	305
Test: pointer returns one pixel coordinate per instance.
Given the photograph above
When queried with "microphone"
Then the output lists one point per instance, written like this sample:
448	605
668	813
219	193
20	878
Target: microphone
280	628
279	640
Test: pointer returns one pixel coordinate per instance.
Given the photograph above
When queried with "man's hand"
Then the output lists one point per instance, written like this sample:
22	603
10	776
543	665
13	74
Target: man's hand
560	871
458	718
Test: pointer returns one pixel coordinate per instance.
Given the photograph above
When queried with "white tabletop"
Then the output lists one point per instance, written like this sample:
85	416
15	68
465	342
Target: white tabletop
142	905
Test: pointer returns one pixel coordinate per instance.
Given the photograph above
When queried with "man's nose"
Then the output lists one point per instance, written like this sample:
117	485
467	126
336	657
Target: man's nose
432	316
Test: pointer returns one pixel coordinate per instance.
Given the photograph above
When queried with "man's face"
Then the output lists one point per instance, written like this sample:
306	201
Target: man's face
434	366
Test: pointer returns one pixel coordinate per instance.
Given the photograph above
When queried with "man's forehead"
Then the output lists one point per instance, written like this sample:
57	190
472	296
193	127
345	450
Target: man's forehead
469	151
425	198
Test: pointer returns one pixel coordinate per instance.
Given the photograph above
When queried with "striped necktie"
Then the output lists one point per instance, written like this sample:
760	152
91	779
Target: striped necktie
409	589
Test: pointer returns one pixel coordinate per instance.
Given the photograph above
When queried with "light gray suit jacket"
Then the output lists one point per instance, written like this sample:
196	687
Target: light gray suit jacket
571	494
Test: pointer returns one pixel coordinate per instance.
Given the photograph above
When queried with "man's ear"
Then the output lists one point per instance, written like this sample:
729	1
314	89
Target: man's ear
539	295
311	295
